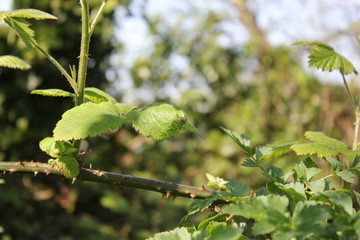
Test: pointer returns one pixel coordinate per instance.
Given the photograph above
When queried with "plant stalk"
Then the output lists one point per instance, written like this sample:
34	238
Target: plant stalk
91	175
96	18
84	52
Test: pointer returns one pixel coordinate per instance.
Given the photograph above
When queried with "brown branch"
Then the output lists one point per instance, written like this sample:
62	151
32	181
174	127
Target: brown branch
91	175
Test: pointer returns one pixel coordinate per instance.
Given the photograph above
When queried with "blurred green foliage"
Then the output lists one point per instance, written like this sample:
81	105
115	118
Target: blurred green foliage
264	94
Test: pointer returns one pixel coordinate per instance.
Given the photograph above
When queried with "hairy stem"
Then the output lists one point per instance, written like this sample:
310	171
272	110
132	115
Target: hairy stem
91	175
96	18
61	69
84	51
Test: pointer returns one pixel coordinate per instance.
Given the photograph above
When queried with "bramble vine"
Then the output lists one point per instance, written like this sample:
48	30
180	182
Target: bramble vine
301	204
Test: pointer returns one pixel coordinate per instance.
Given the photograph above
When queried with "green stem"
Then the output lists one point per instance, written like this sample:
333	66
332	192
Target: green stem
84	52
352	99
61	69
96	18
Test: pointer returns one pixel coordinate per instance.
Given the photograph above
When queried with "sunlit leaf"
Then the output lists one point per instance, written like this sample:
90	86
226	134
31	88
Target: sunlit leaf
242	140
22	29
13	62
158	121
176	234
67	165
52	92
324	57
90	119
26	13
97	96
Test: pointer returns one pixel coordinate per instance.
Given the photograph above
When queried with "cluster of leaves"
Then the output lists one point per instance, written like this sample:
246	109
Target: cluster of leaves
98	114
300	204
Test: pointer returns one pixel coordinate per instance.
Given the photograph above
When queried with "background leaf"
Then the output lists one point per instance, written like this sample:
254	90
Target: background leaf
90	119
13	62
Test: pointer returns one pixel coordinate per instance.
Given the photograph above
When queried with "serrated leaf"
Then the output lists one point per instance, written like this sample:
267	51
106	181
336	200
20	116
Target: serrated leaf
26	13
321	145
13	62
90	119
52	92
295	189
22	29
159	121
242	140
67	165
250	163
220	232
347	176
355	163
237	188
324	57
341	198
176	234
307	169
279	148
97	96
334	163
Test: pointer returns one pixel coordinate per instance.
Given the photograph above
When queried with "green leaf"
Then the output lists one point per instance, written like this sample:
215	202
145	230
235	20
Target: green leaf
90	119
67	165
324	57
334	163
279	148
21	27
310	218
242	140
176	234
321	145
355	163
221	232
295	189
159	121
13	62
26	13
237	188
52	93
250	163
307	169
262	151
199	205
56	148
341	199
347	176
97	96
190	128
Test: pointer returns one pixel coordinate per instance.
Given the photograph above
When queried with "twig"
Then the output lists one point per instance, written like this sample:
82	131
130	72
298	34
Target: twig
91	175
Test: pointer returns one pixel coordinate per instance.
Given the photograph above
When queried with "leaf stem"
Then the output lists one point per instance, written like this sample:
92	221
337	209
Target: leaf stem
91	175
96	18
58	66
352	99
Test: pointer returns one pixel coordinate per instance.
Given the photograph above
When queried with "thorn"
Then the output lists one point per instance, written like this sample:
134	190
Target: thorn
47	172
20	163
35	173
252	194
32	161
168	194
73	180
192	195
12	171
174	196
166	179
4	172
229	217
158	188
90	165
203	188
